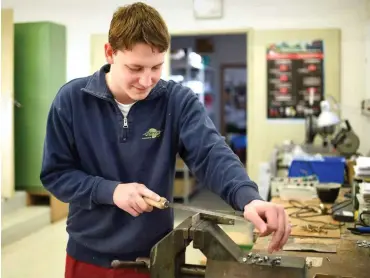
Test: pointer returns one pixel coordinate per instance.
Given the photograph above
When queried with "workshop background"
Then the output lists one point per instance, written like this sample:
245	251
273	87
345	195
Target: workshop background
229	54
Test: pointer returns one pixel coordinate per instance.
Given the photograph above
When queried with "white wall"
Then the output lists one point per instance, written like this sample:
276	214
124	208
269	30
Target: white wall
367	58
82	18
367	80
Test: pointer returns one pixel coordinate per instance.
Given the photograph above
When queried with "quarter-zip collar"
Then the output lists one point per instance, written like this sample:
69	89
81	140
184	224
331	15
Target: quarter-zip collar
97	86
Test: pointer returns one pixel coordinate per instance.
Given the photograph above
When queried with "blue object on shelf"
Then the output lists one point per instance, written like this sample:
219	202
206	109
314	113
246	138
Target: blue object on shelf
239	141
329	169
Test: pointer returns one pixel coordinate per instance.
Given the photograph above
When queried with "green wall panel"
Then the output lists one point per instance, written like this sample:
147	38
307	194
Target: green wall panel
39	72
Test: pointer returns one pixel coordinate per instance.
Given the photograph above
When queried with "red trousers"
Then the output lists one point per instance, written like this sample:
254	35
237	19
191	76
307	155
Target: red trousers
77	269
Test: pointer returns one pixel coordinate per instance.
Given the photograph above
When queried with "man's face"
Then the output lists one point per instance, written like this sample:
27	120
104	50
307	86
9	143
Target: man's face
135	72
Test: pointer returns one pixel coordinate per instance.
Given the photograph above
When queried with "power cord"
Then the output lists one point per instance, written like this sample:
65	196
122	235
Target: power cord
340	205
304	212
361	221
361	227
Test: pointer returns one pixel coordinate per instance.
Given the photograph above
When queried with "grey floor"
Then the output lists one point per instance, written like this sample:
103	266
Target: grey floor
42	254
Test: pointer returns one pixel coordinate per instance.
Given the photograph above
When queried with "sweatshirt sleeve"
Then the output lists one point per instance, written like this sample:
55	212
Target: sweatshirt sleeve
60	171
209	157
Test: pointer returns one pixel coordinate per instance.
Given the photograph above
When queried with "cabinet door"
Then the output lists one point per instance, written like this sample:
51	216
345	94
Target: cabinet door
264	133
57	61
97	58
7	104
40	70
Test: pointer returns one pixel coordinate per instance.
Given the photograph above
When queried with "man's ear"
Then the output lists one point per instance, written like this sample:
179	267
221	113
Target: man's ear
108	51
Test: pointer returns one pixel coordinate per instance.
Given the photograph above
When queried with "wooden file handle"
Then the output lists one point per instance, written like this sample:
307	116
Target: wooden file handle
162	204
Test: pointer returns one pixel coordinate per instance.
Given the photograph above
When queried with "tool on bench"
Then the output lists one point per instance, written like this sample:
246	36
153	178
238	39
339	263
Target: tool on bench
359	230
224	257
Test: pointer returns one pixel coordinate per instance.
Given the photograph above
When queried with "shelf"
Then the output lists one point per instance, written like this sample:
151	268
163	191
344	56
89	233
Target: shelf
185	184
192	72
184	66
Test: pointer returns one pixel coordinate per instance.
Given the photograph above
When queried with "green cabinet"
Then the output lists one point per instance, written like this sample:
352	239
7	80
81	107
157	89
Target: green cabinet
39	72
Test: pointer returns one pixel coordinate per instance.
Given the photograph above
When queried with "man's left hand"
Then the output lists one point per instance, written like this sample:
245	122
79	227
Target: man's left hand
269	218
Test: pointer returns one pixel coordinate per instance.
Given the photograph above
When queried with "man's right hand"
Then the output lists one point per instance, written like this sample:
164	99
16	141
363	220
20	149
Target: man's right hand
129	197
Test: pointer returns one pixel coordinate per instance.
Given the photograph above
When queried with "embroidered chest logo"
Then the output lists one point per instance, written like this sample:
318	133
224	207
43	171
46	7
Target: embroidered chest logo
152	133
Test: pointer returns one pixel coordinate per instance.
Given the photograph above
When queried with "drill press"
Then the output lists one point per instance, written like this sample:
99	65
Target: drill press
224	257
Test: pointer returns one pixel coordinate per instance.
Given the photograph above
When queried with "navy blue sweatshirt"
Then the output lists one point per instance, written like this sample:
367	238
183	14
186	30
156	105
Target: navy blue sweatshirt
89	150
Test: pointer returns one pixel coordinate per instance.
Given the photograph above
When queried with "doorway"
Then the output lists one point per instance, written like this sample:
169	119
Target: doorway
214	66
233	107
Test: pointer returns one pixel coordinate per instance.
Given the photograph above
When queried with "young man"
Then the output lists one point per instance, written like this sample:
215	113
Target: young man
112	138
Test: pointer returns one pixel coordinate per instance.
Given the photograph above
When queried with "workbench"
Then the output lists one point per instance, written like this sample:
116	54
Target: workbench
348	260
331	250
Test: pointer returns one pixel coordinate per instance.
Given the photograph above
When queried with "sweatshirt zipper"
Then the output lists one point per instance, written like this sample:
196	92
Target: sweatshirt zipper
125	129
125	122
125	118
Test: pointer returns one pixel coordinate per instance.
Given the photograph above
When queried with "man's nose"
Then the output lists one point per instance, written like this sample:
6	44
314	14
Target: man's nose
145	80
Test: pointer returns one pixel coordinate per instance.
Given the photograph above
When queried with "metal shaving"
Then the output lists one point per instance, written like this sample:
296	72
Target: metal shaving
314	229
363	244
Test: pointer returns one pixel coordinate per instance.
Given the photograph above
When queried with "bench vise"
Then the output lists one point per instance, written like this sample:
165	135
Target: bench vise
224	257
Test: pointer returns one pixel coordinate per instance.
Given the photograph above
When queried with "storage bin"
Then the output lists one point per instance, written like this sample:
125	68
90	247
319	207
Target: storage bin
328	170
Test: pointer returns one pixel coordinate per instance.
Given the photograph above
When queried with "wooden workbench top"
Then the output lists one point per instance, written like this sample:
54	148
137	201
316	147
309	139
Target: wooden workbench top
334	256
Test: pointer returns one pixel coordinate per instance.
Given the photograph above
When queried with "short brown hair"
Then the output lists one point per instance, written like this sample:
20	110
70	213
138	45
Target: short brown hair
138	23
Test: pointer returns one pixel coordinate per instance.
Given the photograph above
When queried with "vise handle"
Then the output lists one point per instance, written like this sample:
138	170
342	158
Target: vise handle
139	263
